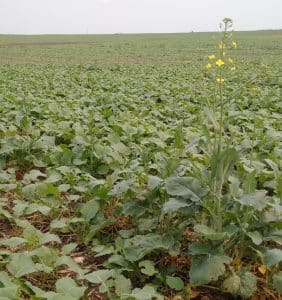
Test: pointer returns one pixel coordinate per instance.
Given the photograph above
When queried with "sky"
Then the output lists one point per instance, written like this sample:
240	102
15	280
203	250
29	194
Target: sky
135	16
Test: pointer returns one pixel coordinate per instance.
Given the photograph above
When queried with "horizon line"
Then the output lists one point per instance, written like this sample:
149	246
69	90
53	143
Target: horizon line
136	33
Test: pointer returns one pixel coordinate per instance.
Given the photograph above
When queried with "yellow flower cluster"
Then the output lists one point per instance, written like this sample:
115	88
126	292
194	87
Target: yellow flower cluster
222	46
222	60
208	66
219	62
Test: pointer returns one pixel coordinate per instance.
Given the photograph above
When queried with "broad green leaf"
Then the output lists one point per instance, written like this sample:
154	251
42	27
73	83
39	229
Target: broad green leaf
146	293
209	233
6	280
232	284
272	257
9	293
207	268
242	284
59	224
175	283
102	250
67	286
21	264
118	261
8	289
248	284
135	208
122	285
200	248
90	209
142	245
48	237
33	207
68	248
174	205
147	267
186	187
257	200
256	237
13	242
153	182
99	276
33	176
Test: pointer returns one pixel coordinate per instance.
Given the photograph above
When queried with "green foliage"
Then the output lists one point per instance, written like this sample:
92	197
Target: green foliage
243	284
153	172
277	282
208	268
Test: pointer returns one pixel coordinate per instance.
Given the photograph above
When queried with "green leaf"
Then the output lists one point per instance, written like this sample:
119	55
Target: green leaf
175	283
102	250
242	284
248	284
153	182
186	187
277	282
232	284
122	285
33	207
99	276
209	233
135	208
13	242
199	248
68	287
33	175
90	209
5	280
48	189
257	200
21	264
146	293
73	266
272	257
208	268
141	245
48	237
67	249
173	205
222	163
8	290
256	237
58	224
8	293
147	267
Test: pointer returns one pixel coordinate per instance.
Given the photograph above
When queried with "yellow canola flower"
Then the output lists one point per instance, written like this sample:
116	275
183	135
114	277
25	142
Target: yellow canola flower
219	62
211	57
208	66
221	45
220	80
234	45
262	269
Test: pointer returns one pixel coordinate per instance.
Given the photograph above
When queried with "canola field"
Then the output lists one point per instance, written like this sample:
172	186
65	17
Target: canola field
141	166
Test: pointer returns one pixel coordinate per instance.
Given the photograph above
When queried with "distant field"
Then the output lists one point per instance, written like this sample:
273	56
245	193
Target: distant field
144	48
141	167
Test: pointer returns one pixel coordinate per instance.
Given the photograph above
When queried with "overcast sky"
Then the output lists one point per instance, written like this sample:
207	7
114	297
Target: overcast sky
128	16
